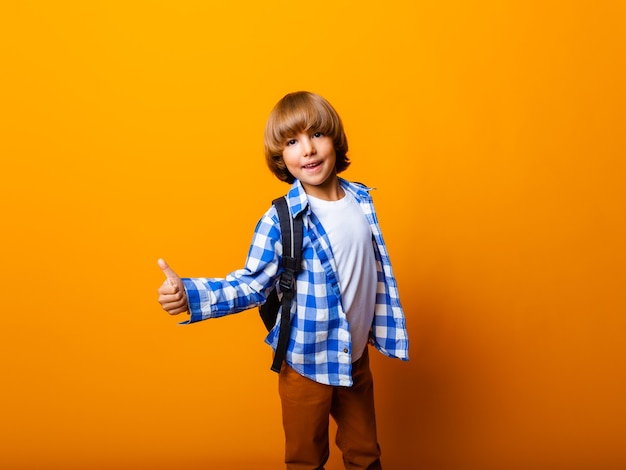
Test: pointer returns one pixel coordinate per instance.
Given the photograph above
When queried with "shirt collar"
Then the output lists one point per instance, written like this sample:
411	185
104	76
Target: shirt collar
298	201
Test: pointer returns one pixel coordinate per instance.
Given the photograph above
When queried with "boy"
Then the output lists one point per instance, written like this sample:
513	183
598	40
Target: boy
346	294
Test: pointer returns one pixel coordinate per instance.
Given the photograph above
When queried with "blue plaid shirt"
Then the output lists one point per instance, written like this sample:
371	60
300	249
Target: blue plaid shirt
319	347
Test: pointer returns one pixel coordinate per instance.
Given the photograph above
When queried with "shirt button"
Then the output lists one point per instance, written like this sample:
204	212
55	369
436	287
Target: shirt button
345	350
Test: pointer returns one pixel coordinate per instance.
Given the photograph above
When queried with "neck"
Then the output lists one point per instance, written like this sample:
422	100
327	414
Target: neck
329	191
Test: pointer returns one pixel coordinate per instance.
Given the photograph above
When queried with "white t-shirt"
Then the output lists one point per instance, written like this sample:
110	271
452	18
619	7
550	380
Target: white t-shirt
351	242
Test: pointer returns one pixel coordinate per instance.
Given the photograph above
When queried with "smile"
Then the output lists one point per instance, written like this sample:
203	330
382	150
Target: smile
312	165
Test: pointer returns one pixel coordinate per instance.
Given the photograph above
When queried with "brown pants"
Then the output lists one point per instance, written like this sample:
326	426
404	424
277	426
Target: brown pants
307	406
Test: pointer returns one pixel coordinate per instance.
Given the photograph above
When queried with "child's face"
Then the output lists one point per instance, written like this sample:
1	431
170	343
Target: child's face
310	157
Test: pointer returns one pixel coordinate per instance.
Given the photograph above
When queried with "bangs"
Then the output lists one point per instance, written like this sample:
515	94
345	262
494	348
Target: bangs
305	118
300	113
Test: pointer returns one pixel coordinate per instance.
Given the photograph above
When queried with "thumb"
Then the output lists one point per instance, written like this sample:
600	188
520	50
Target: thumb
171	276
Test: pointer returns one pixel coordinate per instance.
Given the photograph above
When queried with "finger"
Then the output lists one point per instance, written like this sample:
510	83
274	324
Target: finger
173	304
171	300
174	308
177	311
171	276
167	288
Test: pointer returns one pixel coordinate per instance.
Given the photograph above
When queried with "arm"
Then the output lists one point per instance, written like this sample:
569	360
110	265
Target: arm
240	290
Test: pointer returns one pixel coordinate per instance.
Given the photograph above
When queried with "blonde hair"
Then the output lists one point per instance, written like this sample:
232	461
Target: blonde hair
300	112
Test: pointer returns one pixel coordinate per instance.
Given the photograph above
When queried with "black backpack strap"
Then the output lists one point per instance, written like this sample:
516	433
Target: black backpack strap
291	236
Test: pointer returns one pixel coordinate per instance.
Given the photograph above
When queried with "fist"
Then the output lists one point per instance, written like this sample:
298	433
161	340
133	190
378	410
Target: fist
172	295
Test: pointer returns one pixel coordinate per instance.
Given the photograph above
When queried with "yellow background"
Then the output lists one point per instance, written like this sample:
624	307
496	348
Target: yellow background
494	132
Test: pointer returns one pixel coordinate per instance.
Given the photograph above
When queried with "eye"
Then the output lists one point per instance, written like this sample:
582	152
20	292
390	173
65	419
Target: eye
290	142
318	134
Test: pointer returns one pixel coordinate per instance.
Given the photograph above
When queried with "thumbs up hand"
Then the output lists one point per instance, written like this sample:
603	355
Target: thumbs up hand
172	295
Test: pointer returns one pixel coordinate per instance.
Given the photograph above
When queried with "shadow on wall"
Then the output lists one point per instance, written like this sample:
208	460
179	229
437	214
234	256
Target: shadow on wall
432	410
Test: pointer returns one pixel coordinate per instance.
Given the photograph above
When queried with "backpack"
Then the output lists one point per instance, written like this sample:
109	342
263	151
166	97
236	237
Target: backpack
291	236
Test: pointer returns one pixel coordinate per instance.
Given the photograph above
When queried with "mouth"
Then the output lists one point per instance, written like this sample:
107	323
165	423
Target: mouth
312	166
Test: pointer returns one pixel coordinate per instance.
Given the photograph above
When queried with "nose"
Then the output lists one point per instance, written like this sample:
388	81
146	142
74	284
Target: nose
308	148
